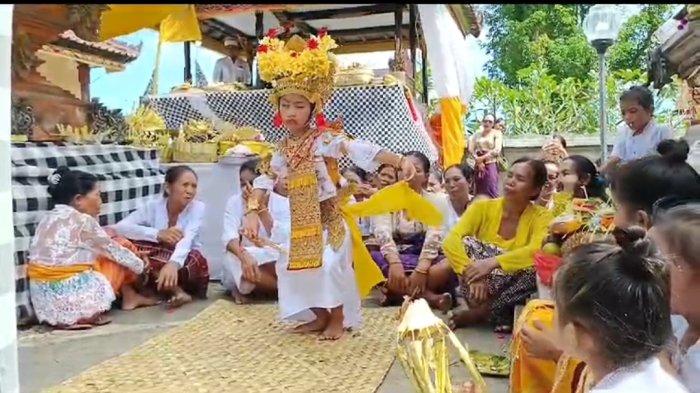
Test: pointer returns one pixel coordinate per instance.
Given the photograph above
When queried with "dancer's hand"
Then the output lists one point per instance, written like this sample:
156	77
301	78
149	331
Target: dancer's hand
538	343
251	226
408	170
170	236
397	278
478	292
251	272
167	278
480	269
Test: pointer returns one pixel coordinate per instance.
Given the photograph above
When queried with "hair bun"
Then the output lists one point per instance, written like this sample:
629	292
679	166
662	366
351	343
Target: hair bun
675	151
641	257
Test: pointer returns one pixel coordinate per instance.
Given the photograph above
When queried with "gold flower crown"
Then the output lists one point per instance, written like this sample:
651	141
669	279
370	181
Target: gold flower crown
305	67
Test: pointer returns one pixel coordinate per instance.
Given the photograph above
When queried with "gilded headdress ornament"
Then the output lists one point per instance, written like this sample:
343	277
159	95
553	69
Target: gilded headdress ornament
304	67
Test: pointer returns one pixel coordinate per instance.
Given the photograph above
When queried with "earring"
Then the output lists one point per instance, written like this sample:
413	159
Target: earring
277	120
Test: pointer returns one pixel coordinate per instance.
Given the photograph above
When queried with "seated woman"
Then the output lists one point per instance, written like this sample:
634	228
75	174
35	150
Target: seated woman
598	285
249	268
68	252
491	247
386	176
636	188
357	178
168	228
577	177
459	181
408	249
550	187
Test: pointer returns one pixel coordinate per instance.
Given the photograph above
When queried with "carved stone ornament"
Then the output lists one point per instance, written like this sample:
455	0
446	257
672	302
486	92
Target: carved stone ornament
24	58
22	118
84	19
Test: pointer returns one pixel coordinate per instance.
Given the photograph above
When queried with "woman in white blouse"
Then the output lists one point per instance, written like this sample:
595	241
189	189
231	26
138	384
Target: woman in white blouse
459	180
250	269
168	228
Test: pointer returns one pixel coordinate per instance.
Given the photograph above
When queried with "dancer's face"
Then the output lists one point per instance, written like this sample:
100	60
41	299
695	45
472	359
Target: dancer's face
296	112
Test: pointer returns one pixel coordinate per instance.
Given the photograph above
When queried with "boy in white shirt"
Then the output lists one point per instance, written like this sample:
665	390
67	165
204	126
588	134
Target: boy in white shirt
639	135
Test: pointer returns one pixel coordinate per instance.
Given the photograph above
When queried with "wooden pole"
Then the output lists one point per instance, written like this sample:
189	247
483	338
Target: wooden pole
412	37
259	33
398	33
424	72
188	62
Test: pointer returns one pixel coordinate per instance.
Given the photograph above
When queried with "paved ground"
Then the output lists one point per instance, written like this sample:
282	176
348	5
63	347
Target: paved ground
49	357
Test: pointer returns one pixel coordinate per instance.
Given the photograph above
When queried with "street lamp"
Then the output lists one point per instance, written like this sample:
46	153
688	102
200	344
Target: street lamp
601	26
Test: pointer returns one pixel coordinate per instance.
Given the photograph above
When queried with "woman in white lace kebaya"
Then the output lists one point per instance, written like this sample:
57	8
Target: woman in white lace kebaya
68	252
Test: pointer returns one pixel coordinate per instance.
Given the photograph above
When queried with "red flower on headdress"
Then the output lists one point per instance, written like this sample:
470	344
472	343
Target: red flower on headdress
262	48
277	120
312	44
322	32
272	33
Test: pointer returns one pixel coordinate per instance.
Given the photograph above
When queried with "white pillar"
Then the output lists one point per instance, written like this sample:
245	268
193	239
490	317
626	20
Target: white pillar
9	381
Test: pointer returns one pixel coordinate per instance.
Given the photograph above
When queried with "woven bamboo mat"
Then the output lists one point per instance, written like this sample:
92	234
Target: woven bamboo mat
230	348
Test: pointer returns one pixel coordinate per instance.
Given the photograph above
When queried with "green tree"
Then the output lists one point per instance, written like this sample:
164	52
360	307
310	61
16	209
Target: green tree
635	39
522	34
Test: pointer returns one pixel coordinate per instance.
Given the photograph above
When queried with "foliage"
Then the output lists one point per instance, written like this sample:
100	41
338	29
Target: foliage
539	104
523	34
544	74
635	39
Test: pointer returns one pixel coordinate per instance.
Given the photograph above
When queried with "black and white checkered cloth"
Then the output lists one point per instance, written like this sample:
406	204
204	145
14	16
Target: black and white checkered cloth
128	176
379	114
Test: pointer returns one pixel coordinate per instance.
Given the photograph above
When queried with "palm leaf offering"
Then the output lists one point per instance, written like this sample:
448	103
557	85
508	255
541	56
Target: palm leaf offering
147	129
490	364
422	346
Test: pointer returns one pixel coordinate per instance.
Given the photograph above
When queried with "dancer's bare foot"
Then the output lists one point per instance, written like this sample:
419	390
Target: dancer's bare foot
314	326
334	330
179	298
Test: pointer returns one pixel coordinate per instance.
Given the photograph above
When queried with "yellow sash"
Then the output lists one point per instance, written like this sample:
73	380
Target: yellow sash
391	199
55	273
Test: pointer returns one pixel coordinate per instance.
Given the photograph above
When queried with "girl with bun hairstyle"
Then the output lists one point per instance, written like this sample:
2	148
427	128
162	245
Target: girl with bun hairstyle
639	184
613	312
676	232
75	268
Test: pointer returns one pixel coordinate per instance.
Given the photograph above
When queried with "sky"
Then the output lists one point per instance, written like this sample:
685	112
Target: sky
121	90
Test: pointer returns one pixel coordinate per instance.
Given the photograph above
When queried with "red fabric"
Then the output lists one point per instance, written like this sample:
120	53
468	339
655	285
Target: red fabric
546	265
193	278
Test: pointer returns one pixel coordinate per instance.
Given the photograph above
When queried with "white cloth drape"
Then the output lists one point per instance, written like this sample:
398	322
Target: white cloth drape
448	53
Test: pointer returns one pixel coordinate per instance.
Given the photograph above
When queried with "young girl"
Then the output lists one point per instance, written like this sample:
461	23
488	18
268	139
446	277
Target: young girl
69	249
316	276
168	228
676	231
613	312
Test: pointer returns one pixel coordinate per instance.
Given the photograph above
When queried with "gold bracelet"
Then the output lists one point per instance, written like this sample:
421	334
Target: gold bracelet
421	271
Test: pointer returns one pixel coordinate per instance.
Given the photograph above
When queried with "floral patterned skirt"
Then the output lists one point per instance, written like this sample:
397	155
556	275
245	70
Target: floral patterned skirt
505	290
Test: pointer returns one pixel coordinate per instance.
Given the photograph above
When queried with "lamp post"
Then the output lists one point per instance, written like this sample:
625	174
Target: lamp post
601	26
